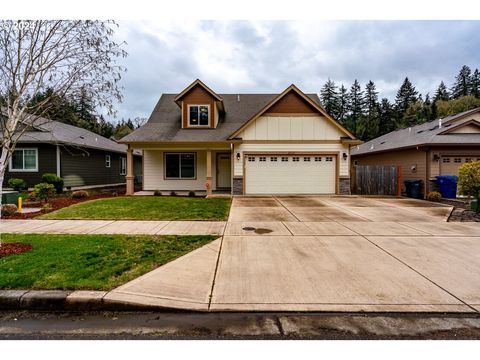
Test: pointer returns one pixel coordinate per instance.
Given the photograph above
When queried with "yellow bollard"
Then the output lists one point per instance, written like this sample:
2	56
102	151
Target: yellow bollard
20	204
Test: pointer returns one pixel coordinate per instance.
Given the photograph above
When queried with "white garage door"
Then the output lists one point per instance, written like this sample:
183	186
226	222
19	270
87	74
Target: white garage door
450	164
290	174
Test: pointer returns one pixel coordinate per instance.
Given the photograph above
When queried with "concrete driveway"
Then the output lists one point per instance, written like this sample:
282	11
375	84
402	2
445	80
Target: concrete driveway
324	254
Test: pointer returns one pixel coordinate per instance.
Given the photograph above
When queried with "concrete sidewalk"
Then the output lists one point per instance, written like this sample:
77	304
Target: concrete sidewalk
127	227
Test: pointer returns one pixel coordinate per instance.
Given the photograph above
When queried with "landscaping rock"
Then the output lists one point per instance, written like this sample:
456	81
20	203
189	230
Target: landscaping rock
461	215
44	299
10	299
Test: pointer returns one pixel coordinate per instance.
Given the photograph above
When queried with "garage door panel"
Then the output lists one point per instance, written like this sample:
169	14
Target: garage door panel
450	164
316	176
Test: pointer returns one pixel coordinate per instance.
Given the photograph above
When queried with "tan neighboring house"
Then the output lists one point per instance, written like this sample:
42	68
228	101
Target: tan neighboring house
242	143
425	151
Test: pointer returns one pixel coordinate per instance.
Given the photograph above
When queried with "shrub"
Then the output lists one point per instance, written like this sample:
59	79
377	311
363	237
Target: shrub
173	193
469	180
191	193
157	193
17	184
43	191
434	196
79	194
55	180
9	209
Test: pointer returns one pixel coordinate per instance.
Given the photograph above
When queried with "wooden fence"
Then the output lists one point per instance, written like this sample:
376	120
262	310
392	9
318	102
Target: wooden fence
377	180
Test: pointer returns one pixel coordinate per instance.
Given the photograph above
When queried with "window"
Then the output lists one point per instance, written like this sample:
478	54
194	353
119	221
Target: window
284	158
180	166
251	158
24	160
198	115
329	158
296	158
123	166
318	158
445	160
273	158
468	160
306	158
262	158
107	161
457	160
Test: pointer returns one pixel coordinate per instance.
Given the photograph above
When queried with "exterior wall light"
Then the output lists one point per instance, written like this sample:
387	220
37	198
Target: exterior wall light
238	156
345	156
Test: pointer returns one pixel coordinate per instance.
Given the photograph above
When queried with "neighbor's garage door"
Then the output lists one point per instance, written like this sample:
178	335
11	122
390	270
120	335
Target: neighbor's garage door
290	174
450	164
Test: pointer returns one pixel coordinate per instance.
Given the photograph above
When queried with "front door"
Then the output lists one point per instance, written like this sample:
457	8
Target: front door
223	171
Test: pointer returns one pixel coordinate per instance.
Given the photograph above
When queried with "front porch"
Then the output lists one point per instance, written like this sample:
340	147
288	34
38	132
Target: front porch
181	169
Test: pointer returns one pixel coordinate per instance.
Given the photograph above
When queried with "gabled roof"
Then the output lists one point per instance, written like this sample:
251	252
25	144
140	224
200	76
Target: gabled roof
43	130
430	133
454	128
295	89
192	85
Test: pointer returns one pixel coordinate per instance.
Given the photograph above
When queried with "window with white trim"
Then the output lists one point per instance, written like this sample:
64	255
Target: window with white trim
251	158
296	158
123	166
262	158
107	161
284	158
180	166
318	158
306	158
198	115
329	158
445	160
457	160
24	159
273	158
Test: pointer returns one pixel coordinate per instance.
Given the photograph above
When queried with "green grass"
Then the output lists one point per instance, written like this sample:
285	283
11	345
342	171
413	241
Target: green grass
146	208
99	262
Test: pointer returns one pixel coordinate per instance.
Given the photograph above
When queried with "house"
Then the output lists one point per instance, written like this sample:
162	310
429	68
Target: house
242	143
79	156
424	151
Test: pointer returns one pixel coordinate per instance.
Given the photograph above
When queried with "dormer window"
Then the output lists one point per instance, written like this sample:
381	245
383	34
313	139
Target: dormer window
198	115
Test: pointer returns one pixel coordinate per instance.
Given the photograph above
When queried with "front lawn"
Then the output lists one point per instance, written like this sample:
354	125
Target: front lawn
89	261
146	208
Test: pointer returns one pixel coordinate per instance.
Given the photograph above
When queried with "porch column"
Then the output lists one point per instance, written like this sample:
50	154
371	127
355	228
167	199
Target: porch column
129	177
208	182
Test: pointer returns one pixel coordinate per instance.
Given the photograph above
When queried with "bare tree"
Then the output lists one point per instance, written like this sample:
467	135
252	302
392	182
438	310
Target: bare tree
73	58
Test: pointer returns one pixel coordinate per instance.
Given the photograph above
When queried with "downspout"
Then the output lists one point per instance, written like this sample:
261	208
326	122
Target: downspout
58	161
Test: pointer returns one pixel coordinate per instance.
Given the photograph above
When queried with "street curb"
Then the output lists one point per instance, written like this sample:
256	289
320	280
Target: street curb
59	300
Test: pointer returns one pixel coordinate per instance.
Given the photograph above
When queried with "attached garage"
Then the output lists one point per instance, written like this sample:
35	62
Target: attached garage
450	164
290	174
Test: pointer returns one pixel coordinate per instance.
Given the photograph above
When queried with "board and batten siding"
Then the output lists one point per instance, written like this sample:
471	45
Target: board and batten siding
154	171
292	128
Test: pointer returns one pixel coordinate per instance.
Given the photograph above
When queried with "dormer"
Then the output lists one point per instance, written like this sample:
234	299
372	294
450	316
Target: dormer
200	106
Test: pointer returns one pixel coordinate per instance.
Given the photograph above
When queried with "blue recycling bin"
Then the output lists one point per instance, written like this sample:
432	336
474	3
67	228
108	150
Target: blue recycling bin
447	184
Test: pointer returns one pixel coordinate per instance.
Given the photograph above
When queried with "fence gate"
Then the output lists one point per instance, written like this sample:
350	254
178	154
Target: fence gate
376	180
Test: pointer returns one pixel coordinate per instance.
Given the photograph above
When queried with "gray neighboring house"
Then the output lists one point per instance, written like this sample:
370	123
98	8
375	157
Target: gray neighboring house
424	151
80	157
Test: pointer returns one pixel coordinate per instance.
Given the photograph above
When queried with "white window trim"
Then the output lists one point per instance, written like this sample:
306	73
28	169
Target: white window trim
108	162
11	169
180	165
198	126
125	168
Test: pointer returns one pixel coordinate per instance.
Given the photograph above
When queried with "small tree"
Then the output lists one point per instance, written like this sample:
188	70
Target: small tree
469	180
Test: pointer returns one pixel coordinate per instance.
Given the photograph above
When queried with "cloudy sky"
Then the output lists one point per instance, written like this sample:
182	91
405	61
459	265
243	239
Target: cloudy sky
245	56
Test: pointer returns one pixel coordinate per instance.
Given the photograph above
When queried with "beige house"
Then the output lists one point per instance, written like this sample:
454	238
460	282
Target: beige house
425	151
242	143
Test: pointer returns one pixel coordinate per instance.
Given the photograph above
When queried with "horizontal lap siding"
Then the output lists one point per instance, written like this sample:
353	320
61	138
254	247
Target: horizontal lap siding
47	163
80	167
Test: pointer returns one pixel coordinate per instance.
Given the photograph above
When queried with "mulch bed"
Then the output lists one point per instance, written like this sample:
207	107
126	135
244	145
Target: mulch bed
7	249
462	215
57	203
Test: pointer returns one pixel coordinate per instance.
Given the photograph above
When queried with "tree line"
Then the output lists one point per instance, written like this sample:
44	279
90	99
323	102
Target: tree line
367	116
80	111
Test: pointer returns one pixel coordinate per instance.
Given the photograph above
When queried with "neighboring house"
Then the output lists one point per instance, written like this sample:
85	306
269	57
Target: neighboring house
425	151
244	143
79	156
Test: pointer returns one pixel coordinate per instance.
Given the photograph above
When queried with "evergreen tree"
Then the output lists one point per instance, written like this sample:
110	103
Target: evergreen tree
475	86
329	97
441	93
386	115
463	83
406	96
356	107
371	120
342	110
